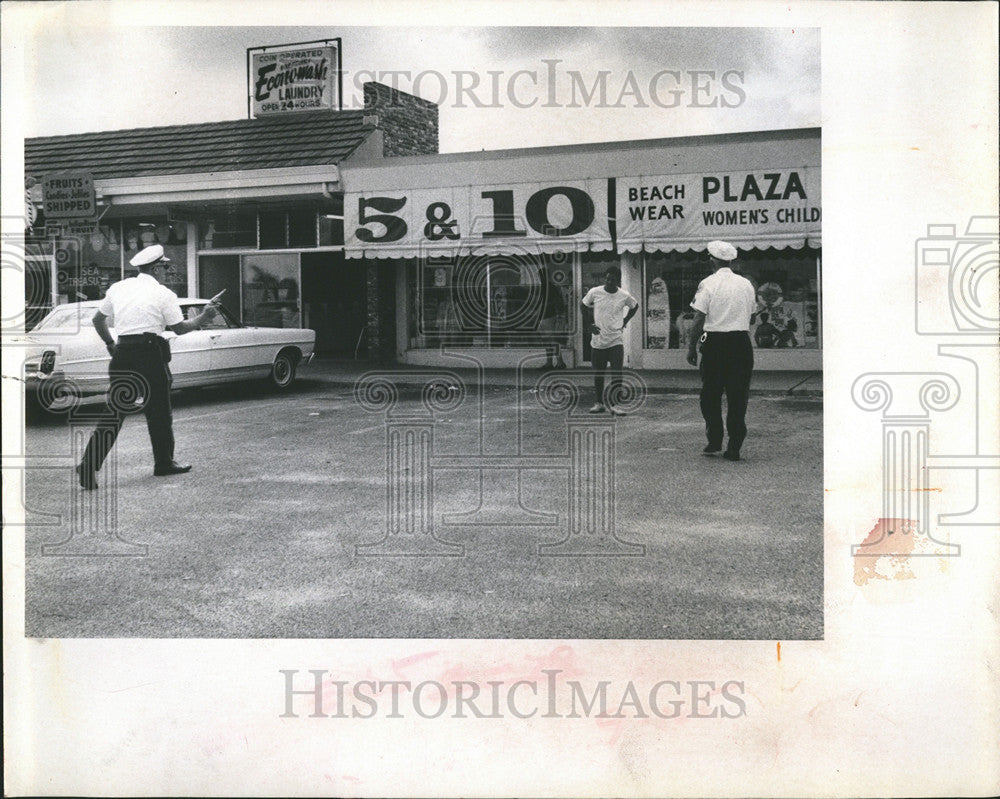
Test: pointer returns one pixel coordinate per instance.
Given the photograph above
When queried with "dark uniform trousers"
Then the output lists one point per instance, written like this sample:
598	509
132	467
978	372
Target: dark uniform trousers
140	381
726	366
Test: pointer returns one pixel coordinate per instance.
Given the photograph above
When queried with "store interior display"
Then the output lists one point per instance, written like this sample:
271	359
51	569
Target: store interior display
787	313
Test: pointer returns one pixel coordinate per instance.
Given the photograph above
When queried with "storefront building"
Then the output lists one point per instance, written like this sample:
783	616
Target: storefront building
253	206
351	223
480	242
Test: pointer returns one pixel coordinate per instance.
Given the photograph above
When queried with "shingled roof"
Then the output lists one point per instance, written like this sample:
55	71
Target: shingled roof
310	138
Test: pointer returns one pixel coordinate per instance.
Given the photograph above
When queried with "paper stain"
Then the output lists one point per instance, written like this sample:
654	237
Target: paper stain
779	651
885	552
400	665
617	728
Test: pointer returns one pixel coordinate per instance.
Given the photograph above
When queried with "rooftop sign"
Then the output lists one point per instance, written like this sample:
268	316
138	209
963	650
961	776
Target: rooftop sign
290	78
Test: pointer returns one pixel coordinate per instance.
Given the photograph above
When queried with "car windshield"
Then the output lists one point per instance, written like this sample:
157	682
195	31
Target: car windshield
68	316
221	321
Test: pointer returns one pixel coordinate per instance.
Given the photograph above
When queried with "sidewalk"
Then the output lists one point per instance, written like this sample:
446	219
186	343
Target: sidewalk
658	381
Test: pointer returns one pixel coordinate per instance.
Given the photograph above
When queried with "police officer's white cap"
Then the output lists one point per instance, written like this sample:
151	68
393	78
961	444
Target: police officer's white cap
149	255
722	250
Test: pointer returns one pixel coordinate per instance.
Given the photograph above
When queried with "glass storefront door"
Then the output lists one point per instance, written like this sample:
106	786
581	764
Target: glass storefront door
334	303
314	290
271	290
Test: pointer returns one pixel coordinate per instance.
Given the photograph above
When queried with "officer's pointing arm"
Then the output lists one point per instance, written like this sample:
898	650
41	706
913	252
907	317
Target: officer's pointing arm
194	324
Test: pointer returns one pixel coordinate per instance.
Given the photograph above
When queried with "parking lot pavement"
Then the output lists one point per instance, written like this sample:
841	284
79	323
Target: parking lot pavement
342	373
276	532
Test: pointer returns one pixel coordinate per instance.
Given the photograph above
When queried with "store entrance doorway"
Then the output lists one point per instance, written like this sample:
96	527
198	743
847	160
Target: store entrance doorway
333	303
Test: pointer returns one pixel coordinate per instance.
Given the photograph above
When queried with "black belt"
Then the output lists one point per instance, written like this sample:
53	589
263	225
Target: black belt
140	338
727	333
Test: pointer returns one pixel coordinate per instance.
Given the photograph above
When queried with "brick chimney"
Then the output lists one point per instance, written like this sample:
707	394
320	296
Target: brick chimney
408	123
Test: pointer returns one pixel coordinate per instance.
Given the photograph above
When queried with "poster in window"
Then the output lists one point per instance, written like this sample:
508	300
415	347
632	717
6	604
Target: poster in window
657	315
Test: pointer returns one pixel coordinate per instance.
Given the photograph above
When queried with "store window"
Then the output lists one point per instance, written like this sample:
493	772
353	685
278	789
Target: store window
331	222
273	231
70	268
331	230
492	301
669	284
37	281
217	273
269	229
140	232
787	285
271	290
86	265
301	228
287	229
81	264
228	229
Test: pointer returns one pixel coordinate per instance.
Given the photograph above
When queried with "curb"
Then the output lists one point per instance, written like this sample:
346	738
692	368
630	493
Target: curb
405	379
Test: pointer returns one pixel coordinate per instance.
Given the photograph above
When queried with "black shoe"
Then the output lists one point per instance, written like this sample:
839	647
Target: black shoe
172	468
88	480
731	455
711	450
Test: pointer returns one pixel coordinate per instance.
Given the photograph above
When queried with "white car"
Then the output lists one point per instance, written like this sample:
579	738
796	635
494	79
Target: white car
67	358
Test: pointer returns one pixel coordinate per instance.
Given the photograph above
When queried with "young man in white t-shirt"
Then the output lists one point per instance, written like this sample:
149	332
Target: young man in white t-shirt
606	312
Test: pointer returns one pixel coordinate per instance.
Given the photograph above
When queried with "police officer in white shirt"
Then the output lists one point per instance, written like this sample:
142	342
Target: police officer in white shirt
140	308
723	304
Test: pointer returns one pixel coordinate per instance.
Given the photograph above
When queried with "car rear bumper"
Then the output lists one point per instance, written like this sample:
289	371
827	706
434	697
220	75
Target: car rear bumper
36	382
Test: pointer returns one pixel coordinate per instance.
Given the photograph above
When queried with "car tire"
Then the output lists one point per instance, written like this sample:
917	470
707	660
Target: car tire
35	407
283	370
